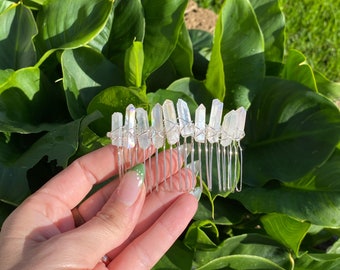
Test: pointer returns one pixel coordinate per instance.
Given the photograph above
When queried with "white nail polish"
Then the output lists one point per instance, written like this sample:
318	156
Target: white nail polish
196	192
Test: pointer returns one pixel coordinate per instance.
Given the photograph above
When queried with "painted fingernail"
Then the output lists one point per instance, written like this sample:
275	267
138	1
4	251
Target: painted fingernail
184	150
140	171
130	185
196	192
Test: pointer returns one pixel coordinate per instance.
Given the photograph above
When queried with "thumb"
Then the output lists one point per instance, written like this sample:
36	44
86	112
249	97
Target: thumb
113	224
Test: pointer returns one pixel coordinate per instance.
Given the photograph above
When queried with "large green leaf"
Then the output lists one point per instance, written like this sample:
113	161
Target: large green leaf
16	33
178	65
128	26
237	67
27	102
286	230
81	21
272	23
163	22
114	99
58	145
244	252
290	130
315	197
86	73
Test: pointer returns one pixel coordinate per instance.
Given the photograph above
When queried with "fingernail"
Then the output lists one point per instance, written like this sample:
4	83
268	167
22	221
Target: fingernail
194	166
184	150
130	185
196	192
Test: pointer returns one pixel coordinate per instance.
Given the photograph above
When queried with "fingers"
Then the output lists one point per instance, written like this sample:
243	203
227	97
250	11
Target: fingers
175	157
72	184
149	247
155	205
112	225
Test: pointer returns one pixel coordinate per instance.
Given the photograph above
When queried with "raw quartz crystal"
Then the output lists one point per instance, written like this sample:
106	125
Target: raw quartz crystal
157	131
170	122
184	119
143	129
215	121
174	127
130	123
116	134
200	124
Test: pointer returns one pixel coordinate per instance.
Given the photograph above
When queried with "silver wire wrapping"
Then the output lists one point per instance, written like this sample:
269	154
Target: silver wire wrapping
218	165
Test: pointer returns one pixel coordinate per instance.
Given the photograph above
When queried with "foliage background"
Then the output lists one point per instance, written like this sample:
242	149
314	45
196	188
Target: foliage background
60	83
312	27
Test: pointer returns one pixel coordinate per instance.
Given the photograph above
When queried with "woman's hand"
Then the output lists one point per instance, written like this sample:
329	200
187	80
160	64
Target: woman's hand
121	226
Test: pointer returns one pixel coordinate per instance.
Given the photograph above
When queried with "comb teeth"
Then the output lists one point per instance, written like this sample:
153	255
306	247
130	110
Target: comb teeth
220	138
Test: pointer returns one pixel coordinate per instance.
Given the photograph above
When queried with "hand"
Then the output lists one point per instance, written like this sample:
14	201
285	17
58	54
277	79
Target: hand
118	227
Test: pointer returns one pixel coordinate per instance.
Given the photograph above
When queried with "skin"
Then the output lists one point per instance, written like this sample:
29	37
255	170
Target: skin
55	228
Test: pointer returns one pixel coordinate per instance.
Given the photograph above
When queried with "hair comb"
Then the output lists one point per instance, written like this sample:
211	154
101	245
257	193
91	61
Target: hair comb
213	150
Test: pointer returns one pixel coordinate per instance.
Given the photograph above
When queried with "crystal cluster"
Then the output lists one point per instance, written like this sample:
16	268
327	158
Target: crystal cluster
215	145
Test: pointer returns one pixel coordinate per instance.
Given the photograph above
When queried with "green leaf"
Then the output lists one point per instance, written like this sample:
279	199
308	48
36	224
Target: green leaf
224	212
114	99
101	40
128	26
243	252
133	67
193	88
16	33
182	56
328	88
236	69
163	23
161	95
202	44
57	145
82	21
199	234
290	130
297	69
272	23
86	72
177	257
27	102
4	4
317	262
286	230
314	198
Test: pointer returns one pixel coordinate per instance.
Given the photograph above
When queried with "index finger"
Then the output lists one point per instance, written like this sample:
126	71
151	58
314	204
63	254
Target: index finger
71	185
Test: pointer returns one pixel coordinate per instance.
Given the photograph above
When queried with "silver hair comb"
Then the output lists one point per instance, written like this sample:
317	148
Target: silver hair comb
215	145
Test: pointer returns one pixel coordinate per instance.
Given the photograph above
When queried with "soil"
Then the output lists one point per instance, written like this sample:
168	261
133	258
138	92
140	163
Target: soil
199	18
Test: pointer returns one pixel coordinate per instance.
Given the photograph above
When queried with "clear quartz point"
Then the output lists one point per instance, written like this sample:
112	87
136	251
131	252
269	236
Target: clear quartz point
215	121
225	129
184	119
241	121
130	125
142	128
170	122
200	124
116	129
157	126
